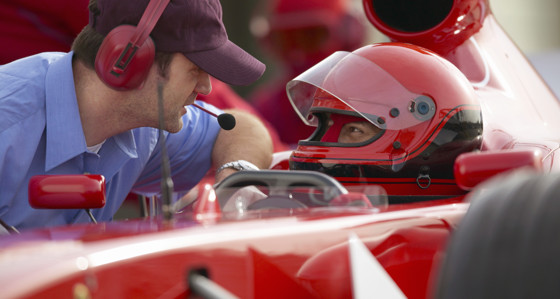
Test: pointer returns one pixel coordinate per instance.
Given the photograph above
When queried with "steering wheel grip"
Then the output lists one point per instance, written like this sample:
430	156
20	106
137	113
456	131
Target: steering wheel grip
278	178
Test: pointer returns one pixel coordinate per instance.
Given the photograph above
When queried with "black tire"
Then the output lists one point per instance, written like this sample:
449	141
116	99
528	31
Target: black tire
508	243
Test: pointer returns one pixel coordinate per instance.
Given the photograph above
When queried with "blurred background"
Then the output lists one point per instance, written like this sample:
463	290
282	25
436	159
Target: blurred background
29	26
533	25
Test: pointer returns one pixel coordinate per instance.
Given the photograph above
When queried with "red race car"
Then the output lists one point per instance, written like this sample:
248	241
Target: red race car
337	219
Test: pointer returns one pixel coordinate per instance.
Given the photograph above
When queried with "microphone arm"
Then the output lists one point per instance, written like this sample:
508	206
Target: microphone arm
205	110
226	120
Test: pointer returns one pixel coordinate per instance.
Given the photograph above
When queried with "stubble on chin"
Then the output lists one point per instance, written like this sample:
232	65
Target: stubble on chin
175	126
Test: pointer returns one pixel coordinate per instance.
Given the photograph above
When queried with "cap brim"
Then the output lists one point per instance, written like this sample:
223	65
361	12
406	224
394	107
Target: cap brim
229	63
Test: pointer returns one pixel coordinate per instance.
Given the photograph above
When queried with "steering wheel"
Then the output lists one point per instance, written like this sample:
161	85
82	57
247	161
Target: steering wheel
280	179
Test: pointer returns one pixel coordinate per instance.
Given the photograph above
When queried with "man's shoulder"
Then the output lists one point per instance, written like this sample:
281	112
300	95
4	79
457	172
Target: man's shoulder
31	67
22	88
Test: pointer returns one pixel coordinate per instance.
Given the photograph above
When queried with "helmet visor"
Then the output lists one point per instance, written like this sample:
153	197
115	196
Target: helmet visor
363	86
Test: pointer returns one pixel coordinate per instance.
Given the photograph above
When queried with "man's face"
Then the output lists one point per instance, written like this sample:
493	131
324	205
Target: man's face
181	85
359	131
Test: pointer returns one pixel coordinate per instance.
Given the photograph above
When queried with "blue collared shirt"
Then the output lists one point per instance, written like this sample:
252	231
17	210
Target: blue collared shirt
41	133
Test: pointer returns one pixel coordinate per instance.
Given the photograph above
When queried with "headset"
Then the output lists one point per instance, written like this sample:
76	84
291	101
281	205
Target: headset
127	53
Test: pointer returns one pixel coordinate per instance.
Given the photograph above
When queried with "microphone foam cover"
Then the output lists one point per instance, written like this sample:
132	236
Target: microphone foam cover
226	121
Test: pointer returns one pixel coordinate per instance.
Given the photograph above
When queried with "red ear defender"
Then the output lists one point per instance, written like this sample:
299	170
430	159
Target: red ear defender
119	63
127	53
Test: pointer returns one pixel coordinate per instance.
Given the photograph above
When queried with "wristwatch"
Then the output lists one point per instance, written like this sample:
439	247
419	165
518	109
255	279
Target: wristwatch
238	165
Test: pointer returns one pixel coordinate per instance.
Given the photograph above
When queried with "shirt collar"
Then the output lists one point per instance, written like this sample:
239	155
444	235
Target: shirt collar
65	135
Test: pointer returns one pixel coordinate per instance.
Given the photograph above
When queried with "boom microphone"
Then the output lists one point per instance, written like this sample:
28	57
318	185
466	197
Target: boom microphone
226	120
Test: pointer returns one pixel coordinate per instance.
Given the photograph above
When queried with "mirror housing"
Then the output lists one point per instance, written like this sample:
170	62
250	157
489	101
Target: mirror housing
83	191
471	169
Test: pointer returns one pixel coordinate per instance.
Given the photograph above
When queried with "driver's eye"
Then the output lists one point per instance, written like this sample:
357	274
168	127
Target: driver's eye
357	132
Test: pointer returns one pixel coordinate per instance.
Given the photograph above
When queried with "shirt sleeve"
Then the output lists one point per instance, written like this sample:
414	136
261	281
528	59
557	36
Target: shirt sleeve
189	151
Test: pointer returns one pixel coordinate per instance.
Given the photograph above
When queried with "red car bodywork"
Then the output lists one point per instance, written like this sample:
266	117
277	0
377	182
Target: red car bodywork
304	253
274	254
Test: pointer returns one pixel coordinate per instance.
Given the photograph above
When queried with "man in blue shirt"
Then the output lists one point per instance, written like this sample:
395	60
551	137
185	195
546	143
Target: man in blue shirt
62	113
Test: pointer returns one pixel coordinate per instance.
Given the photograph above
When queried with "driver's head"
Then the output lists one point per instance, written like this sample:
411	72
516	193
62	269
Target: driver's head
391	114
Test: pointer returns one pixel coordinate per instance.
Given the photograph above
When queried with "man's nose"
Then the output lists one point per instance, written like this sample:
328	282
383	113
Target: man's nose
203	86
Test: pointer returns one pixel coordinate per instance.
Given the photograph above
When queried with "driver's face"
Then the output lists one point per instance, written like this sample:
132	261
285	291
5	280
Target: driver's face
359	131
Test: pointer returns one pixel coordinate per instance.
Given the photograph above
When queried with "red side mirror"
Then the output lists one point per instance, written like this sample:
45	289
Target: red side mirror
67	191
470	169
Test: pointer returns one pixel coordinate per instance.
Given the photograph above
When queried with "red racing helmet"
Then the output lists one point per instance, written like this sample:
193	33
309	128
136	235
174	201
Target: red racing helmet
422	110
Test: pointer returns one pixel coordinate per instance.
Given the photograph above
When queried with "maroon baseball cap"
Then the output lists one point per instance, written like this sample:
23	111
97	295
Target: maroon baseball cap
191	27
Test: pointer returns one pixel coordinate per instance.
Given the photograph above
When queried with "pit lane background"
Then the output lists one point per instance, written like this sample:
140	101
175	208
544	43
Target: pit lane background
533	25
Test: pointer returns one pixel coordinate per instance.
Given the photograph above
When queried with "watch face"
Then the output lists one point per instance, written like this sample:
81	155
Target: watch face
237	166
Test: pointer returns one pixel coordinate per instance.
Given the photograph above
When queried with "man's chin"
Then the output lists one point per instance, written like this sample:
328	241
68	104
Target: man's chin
176	127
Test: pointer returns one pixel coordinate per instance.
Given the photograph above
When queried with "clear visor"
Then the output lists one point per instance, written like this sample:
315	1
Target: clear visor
364	87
